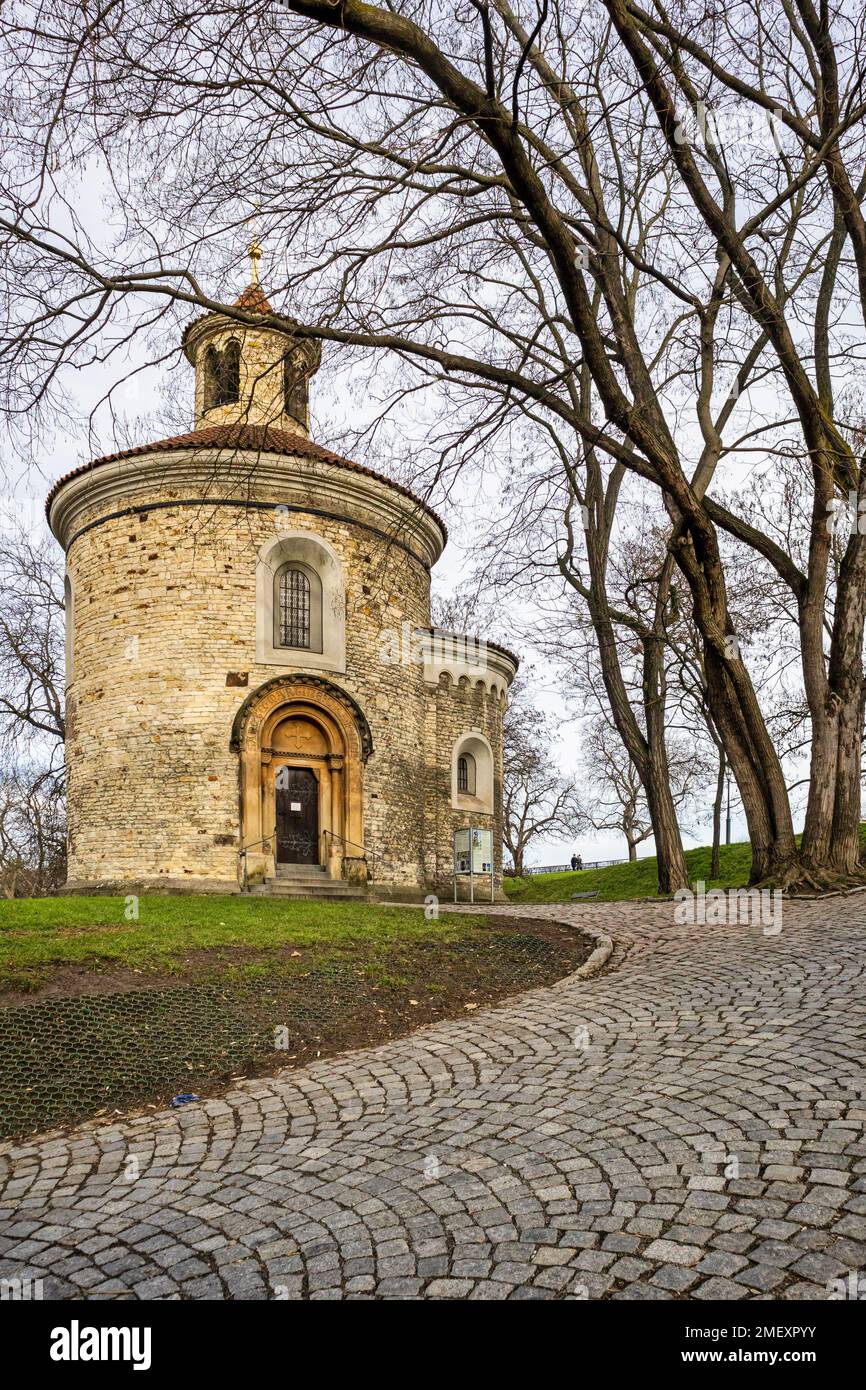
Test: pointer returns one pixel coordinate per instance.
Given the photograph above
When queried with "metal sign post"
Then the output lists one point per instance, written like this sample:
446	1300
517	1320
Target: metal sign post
473	856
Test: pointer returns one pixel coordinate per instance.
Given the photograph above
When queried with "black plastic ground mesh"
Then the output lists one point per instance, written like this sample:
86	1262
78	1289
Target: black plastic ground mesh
64	1059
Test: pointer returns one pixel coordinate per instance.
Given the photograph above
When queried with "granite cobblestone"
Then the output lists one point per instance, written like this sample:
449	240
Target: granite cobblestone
706	1142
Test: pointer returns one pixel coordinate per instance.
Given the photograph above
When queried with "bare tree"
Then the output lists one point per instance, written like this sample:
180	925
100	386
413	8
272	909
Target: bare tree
32	783
32	833
32	638
615	641
638	623
538	801
617	797
618	802
463	610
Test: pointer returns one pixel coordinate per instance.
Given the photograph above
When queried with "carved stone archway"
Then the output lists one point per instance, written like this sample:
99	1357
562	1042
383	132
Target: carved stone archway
303	722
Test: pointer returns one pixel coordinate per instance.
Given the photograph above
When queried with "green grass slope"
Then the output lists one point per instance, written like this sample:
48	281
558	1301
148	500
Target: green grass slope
639	880
38	933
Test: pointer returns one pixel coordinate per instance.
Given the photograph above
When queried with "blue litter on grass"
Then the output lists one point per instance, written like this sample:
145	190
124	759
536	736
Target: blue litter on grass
184	1100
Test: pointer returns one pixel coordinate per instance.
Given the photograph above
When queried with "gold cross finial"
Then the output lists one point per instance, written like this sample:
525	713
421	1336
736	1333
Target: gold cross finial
255	254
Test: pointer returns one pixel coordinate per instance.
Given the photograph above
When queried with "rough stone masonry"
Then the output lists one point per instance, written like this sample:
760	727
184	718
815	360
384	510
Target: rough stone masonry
182	704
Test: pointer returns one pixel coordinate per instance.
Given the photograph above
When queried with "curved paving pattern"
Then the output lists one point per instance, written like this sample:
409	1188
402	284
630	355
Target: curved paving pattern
689	1124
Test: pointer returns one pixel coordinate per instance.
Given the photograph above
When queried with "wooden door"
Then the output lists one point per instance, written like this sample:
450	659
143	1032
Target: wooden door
297	795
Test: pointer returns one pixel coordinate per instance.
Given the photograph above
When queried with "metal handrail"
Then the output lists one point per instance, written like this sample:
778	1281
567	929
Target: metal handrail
530	869
368	853
244	851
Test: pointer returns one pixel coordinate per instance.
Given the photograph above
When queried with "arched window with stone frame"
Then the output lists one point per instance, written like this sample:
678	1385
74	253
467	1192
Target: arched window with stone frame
222	375
319	563
472	774
466	774
297	608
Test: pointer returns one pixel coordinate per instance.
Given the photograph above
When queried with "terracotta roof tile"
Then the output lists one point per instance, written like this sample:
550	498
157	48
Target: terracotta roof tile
253	297
258	438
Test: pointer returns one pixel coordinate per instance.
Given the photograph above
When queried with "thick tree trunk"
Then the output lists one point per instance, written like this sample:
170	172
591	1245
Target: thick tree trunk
715	856
647	752
758	776
831	835
655	774
672	871
735	710
845	843
816	844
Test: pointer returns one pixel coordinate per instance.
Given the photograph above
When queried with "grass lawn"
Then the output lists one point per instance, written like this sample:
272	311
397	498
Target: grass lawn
98	1013
39	933
639	880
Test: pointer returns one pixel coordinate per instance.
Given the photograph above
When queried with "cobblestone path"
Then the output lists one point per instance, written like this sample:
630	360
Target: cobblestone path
688	1123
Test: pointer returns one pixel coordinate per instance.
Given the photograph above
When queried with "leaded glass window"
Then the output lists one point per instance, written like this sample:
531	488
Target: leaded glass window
294	622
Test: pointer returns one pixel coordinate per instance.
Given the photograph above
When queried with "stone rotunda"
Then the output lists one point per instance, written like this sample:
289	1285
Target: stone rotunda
255	698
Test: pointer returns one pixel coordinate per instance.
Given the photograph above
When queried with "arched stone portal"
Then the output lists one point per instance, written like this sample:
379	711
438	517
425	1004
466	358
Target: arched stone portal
302	722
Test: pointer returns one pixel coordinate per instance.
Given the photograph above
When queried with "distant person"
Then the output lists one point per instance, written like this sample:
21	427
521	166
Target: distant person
574	863
579	864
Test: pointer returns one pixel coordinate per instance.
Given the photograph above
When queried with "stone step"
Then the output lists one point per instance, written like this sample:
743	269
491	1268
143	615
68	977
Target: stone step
329	888
301	871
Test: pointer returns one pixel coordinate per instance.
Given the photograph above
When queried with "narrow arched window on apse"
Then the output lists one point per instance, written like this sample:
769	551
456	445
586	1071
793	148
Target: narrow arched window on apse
472	781
211	377
294	622
466	774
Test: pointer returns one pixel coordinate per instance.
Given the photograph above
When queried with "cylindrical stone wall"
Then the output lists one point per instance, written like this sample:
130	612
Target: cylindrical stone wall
457	709
164	653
